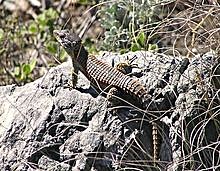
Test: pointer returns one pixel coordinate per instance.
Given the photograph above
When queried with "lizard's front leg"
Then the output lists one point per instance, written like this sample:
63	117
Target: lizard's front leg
75	73
113	101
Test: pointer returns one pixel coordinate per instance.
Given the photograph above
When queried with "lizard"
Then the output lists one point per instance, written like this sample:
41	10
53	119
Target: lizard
101	74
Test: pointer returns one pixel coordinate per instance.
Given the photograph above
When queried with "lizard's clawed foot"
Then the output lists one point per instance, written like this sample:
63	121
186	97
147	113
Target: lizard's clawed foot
113	101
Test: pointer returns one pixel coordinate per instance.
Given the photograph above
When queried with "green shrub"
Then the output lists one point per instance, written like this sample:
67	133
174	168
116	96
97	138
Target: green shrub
19	39
127	24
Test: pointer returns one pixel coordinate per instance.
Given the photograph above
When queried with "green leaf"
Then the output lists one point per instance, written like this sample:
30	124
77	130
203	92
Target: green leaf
17	72
135	47
51	14
46	19
62	55
123	51
85	2
33	28
32	64
141	38
23	31
26	69
152	47
52	47
41	20
1	34
2	51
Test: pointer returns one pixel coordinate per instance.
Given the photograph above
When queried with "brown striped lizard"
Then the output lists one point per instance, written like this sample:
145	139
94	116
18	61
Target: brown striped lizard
99	73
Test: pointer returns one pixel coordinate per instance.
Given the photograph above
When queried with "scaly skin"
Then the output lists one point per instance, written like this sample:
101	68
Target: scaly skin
98	72
103	75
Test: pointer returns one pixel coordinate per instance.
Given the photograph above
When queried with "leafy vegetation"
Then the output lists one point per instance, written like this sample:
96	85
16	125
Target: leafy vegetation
127	24
20	40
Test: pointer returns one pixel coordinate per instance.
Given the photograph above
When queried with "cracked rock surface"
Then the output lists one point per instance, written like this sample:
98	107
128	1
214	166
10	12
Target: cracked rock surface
47	125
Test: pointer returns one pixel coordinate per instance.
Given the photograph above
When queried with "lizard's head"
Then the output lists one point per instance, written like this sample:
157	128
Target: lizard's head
69	41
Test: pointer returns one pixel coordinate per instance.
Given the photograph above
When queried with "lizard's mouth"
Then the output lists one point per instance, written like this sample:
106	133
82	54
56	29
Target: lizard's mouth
58	35
55	33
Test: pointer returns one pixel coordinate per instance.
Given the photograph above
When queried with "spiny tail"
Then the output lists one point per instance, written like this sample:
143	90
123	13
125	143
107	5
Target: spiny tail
155	142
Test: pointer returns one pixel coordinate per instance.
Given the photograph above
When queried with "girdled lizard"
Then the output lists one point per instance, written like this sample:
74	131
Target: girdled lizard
101	74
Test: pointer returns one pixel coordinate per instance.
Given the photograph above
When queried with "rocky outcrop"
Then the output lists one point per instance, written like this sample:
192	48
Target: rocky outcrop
47	125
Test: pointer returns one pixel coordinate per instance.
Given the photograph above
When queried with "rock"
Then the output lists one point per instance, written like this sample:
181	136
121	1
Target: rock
13	5
47	125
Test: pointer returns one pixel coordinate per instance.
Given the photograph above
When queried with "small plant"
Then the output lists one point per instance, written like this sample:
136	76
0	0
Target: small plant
23	71
127	24
19	40
139	43
43	27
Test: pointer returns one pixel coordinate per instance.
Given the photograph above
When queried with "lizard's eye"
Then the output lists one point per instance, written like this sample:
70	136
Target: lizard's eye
73	43
62	36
